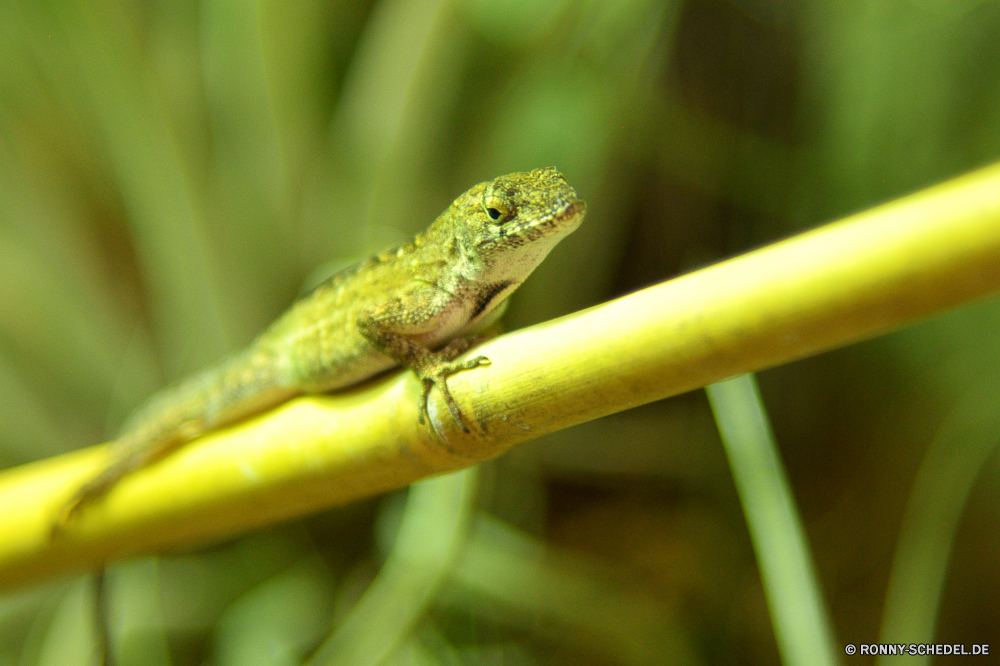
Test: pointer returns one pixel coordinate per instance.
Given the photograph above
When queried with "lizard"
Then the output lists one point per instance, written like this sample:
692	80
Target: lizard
417	305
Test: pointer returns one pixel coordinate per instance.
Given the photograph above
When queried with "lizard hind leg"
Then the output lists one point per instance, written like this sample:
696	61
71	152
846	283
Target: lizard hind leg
247	384
133	452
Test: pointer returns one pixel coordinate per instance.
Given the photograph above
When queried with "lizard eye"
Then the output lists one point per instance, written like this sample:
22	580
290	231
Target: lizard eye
497	208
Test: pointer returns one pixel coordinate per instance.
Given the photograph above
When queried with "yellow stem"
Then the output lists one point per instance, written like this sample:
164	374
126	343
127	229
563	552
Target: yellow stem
863	276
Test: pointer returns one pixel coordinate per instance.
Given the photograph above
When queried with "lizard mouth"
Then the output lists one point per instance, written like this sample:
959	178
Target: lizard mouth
562	222
574	209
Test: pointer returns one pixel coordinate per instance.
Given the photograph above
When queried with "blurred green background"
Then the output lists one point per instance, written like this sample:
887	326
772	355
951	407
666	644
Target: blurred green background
173	173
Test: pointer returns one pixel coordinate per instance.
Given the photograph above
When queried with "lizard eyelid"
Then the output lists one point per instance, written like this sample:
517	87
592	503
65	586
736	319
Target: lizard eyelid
498	208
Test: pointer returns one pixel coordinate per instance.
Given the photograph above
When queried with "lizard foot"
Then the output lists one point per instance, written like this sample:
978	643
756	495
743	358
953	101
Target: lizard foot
63	518
96	488
435	373
71	508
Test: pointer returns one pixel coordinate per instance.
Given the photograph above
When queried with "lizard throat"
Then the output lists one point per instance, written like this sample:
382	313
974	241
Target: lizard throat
488	297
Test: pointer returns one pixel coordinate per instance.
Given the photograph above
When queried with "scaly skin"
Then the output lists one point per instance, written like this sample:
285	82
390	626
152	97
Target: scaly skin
413	305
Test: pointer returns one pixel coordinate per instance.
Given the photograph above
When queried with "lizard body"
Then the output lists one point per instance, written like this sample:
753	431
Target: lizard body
413	305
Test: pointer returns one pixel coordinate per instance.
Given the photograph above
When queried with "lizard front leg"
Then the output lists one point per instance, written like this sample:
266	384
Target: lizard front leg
389	326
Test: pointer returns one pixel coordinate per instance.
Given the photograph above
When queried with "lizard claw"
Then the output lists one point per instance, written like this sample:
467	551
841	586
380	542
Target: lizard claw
437	375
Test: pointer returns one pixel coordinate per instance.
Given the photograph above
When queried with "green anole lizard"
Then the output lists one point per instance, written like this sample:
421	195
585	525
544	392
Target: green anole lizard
413	305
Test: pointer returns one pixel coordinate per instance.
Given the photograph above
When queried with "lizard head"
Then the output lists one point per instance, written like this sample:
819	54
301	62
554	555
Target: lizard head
508	225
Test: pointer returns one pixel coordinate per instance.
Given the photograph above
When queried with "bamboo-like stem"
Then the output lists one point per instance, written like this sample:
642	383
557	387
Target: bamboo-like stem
863	276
